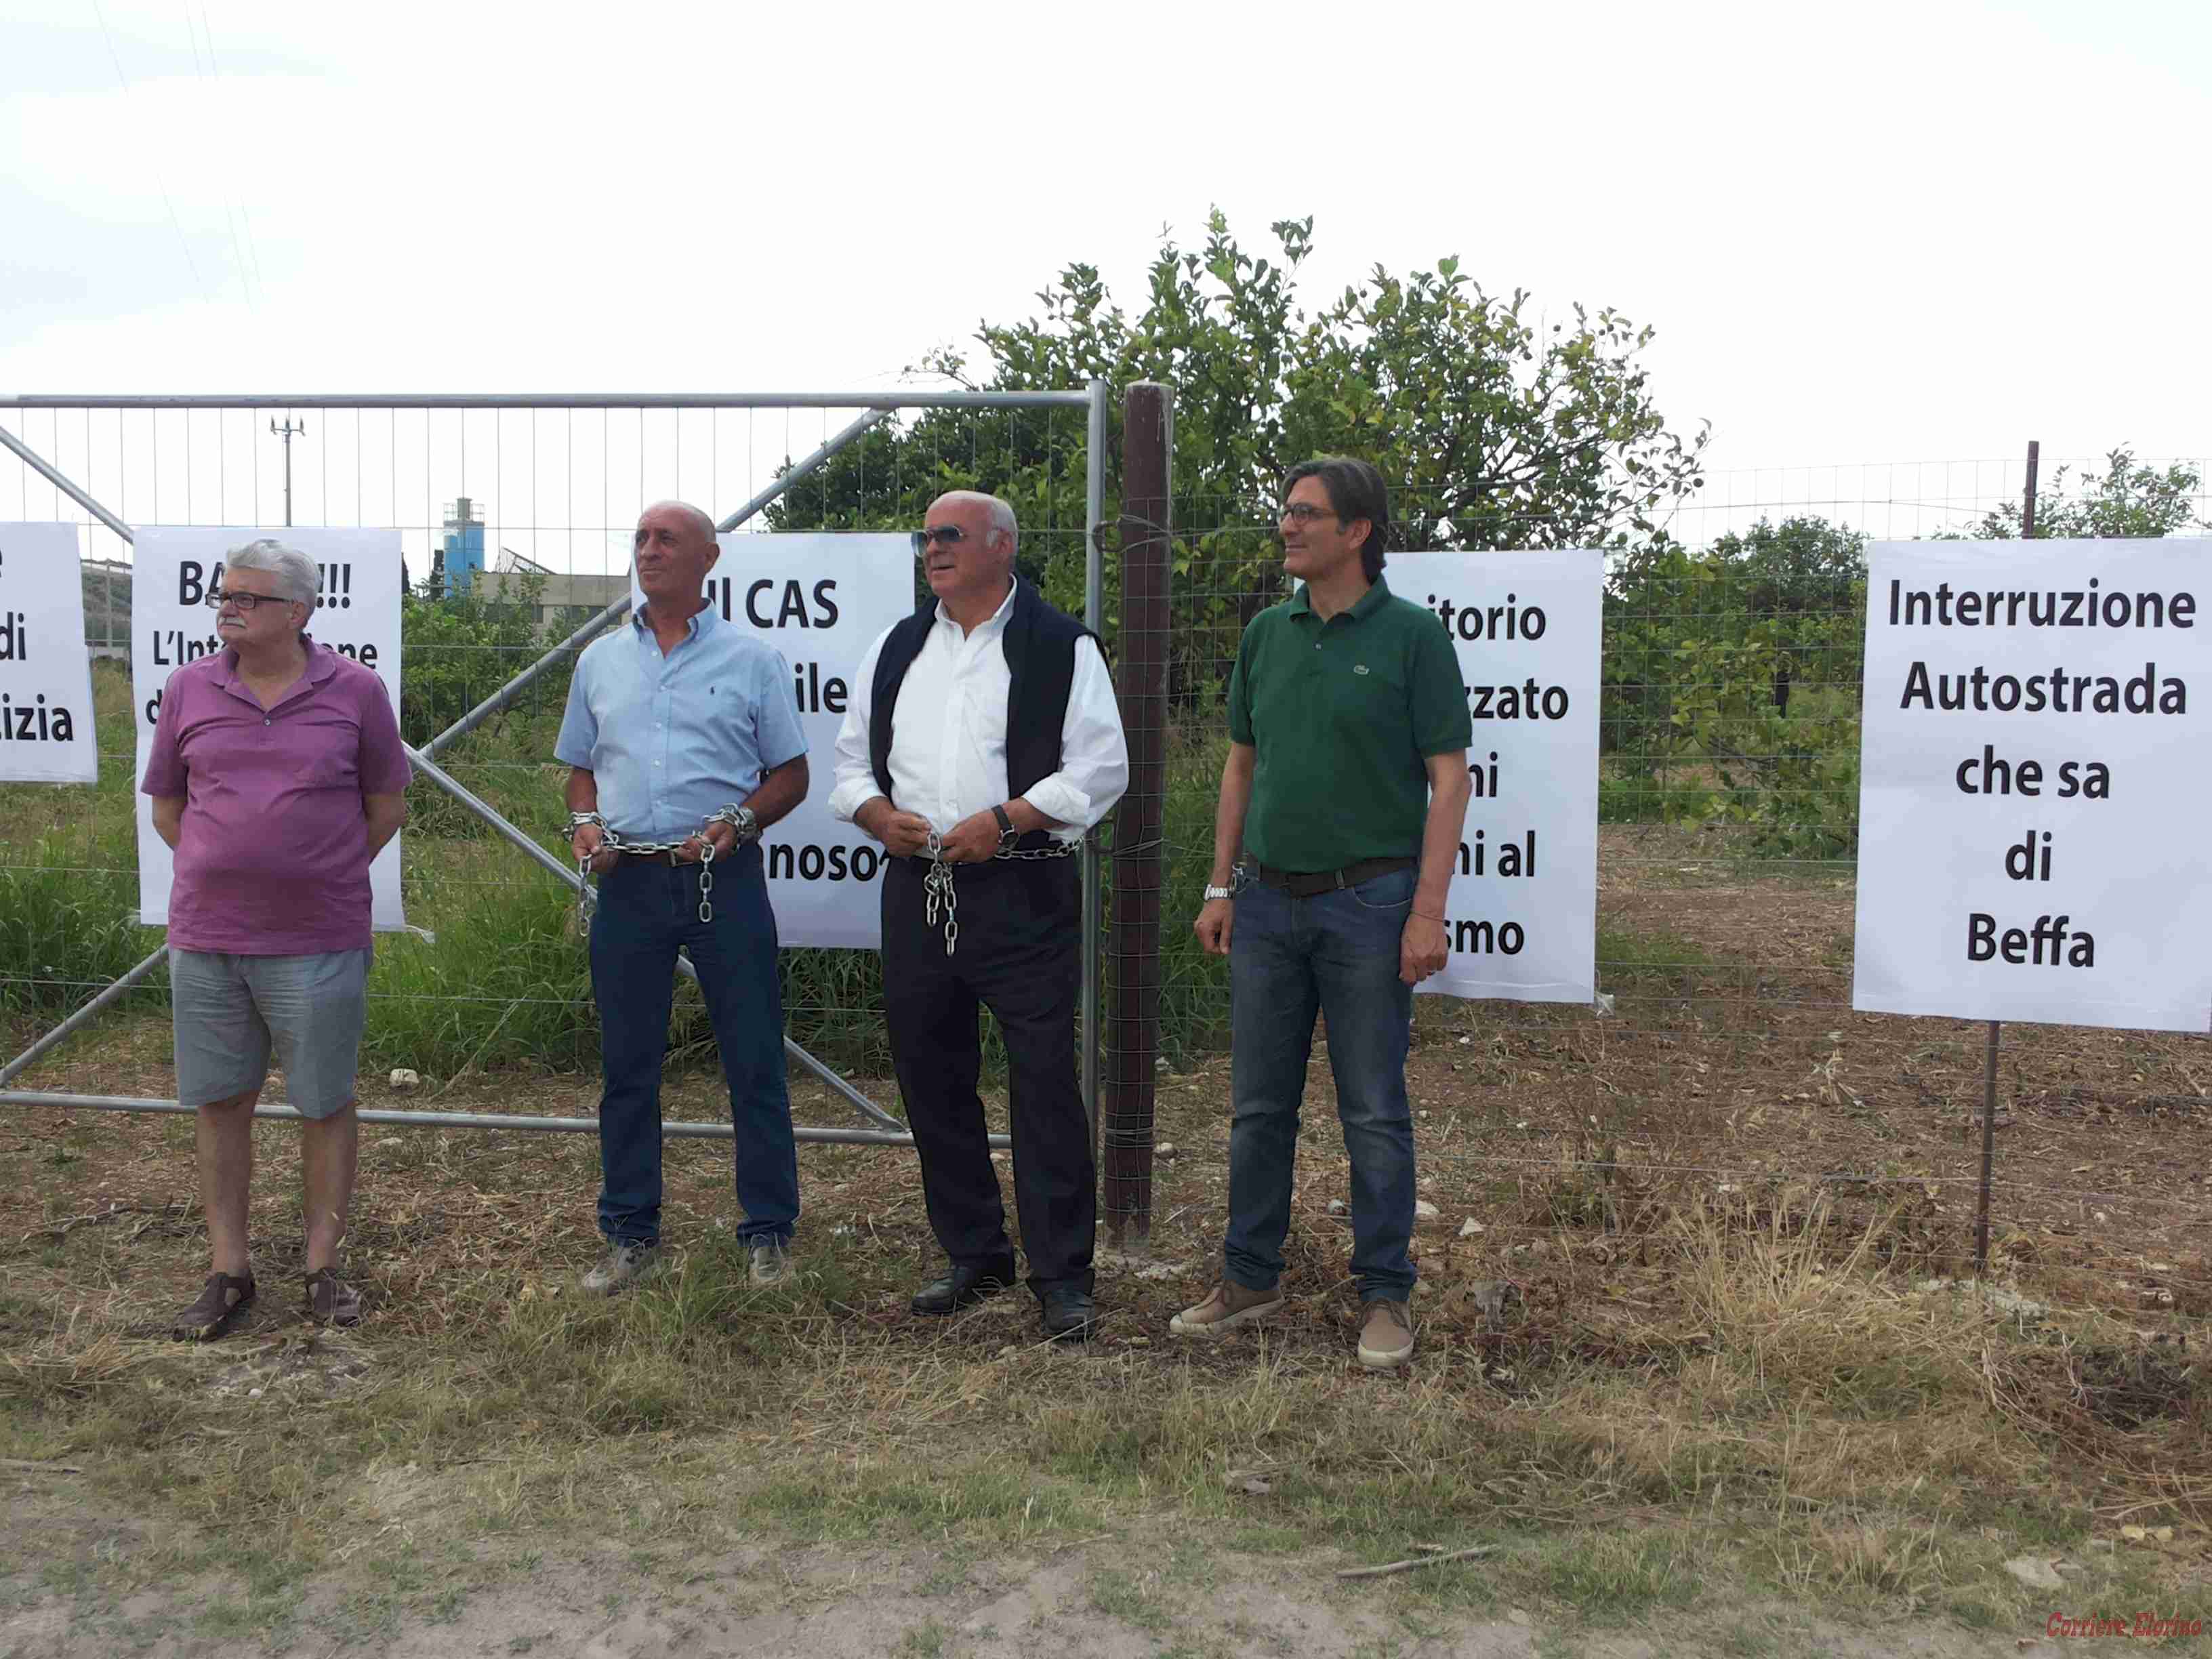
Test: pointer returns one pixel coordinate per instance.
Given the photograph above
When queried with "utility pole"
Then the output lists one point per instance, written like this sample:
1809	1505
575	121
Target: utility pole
288	432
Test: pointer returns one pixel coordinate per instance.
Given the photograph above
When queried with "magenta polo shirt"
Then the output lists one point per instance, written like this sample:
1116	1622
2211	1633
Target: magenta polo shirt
272	853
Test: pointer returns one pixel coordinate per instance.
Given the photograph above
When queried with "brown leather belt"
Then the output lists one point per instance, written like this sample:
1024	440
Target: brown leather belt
1305	884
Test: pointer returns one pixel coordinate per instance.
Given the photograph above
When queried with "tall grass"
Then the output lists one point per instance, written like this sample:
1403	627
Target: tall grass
505	983
69	873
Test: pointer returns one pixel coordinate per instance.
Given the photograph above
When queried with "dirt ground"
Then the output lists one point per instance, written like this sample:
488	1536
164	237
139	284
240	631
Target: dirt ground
812	1603
1728	1079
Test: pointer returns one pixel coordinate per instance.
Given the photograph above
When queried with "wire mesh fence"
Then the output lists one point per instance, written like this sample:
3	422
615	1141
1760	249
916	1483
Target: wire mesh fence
1724	1072
514	524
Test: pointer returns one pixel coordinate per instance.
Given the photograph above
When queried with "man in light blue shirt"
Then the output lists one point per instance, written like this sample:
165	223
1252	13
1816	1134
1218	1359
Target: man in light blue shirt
683	731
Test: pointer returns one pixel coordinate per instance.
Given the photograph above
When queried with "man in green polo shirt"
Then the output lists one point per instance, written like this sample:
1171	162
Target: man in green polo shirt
1346	785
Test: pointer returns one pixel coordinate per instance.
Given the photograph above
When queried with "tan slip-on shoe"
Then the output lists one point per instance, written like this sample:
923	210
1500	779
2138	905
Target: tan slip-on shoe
622	1266
1229	1306
1386	1335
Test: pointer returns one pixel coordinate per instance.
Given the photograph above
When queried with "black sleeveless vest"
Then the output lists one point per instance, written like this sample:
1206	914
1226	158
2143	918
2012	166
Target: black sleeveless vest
1039	643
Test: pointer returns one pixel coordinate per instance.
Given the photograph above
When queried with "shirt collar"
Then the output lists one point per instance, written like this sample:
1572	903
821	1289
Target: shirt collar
700	621
322	662
996	618
1376	596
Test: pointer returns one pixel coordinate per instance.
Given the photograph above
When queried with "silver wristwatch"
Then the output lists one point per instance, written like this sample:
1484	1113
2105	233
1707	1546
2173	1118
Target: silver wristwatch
1214	892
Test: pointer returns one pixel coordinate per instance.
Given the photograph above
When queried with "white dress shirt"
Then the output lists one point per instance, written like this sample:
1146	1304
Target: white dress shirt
948	759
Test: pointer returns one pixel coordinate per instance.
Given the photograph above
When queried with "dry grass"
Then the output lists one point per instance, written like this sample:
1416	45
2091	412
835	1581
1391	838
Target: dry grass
1738	1355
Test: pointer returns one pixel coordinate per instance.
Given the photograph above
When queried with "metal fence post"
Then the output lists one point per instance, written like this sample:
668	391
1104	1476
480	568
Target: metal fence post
1094	617
1133	948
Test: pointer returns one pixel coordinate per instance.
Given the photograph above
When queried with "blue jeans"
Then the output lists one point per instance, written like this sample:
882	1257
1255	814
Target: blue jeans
646	911
1335	953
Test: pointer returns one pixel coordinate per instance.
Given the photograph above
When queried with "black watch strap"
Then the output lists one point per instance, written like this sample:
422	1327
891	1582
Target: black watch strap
1006	832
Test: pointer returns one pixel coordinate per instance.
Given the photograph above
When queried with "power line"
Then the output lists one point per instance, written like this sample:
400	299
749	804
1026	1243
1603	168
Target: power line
160	183
230	213
252	248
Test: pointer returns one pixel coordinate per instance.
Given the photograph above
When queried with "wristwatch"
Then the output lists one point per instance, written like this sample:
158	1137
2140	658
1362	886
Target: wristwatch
1007	834
1214	892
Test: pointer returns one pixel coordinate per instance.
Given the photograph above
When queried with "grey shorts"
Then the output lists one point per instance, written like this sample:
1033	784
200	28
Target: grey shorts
232	1009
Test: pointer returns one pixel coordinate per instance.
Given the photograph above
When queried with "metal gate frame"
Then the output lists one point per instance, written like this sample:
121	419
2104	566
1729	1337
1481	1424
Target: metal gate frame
888	1131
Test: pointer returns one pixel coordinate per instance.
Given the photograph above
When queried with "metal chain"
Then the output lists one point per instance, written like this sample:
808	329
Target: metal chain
612	841
938	893
941	897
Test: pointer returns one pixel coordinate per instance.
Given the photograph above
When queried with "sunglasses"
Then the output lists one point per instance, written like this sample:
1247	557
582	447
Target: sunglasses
950	534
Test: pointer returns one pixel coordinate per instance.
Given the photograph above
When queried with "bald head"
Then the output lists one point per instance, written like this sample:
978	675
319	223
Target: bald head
692	515
997	515
969	565
672	552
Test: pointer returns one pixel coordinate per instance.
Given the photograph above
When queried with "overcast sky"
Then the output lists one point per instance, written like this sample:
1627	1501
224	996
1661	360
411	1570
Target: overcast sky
1921	231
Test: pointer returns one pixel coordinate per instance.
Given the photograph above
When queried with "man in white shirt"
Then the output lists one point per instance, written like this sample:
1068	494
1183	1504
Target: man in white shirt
983	740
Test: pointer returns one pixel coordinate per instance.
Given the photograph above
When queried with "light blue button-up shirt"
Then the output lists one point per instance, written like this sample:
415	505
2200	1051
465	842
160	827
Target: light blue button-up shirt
673	739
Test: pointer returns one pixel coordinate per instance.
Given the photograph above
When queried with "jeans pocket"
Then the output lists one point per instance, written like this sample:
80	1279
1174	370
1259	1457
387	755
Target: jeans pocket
1392	890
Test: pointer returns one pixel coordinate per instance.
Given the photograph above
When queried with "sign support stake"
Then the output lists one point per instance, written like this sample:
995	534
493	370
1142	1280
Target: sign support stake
1990	1055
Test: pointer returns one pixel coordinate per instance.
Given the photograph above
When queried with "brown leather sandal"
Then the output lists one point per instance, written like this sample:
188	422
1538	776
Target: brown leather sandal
224	1298
330	1300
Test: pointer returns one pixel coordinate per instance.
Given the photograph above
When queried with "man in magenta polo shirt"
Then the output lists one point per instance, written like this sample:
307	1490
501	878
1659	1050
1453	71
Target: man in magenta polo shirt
276	774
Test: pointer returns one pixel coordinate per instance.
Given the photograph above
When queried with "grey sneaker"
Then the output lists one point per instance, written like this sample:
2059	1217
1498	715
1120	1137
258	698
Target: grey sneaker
1385	1336
771	1262
625	1264
1229	1308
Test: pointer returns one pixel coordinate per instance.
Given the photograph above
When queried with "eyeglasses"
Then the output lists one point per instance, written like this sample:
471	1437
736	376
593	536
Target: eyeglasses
217	599
1299	513
950	534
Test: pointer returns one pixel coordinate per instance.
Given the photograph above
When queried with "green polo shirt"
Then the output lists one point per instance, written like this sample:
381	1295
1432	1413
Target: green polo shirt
1344	715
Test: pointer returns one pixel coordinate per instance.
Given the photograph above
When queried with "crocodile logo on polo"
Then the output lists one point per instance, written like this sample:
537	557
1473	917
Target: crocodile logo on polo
1359	668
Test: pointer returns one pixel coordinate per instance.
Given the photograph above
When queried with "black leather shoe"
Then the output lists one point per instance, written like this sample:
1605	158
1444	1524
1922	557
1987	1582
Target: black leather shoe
964	1287
1069	1313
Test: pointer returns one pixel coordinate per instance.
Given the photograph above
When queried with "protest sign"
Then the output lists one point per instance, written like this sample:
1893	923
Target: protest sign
173	568
46	674
2032	783
1521	917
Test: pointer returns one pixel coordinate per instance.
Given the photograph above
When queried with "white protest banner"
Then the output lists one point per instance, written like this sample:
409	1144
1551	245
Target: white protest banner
46	674
172	568
2032	783
1521	917
819	601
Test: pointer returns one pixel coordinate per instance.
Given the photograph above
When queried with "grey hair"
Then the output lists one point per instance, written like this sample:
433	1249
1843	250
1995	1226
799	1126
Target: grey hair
700	521
1001	511
297	579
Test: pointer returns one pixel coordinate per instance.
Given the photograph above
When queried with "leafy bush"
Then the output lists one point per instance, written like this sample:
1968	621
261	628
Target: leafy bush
457	651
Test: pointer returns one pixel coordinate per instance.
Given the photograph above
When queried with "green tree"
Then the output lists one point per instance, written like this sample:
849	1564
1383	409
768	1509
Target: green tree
1494	431
458	650
1743	661
2131	499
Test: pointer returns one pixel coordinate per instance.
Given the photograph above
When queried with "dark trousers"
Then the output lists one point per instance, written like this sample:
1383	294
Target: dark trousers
647	909
1018	954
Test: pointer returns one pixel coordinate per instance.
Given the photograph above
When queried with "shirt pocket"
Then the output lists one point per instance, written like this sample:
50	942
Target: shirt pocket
985	709
334	762
329	751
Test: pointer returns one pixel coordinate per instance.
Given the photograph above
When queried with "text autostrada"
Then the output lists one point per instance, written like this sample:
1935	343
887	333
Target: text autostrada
2059	691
